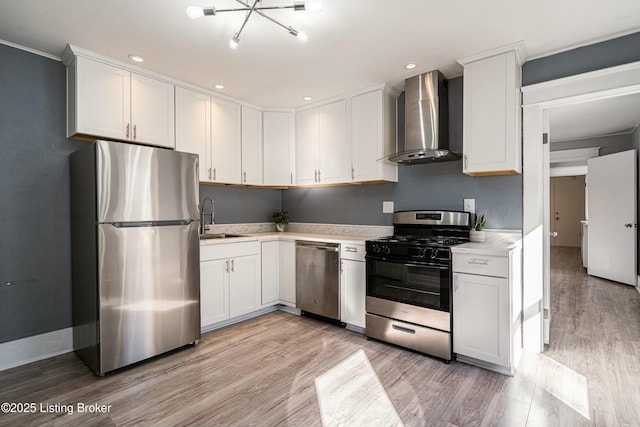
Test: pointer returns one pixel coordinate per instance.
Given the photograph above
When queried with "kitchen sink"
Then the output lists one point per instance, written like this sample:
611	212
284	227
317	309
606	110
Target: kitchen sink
220	236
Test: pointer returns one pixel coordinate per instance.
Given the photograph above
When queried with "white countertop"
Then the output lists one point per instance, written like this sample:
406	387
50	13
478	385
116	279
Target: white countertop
287	235
499	244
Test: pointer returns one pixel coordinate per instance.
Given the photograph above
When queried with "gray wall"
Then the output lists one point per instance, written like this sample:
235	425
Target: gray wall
34	189
621	50
426	186
241	204
609	144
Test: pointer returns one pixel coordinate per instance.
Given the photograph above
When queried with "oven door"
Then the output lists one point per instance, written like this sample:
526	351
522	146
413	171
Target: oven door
415	283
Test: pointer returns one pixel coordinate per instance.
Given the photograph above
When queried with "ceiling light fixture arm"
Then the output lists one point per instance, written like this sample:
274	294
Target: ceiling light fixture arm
246	18
258	11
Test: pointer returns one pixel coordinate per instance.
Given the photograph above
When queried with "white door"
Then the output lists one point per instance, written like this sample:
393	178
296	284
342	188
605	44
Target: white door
333	161
214	291
277	143
353	292
612	240
306	146
270	272
244	285
287	273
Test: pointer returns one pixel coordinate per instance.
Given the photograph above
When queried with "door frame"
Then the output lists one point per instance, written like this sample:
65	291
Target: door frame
537	99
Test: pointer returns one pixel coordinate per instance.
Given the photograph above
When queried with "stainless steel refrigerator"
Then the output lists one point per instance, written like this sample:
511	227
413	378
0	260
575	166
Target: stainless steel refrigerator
135	253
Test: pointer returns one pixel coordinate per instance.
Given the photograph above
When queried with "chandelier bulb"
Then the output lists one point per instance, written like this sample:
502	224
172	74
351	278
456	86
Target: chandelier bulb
235	41
195	12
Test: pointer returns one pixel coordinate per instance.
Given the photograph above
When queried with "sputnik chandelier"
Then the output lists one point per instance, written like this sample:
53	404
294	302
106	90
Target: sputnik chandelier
195	12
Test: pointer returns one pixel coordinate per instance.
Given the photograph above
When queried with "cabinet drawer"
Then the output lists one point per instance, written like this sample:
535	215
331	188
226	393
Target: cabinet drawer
229	250
353	252
486	265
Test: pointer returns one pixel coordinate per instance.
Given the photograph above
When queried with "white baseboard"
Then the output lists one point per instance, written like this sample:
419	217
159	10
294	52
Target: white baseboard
38	347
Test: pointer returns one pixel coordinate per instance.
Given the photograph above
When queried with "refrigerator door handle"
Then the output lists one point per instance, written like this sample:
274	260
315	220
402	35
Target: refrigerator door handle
129	224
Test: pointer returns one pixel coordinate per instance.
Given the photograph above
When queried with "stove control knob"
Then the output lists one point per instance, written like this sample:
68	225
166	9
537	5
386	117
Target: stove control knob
375	249
386	250
434	253
423	253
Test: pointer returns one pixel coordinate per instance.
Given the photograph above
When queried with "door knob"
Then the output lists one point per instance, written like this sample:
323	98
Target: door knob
628	225
554	234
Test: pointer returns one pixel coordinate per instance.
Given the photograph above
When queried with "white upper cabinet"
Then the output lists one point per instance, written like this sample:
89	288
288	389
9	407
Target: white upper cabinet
106	101
492	111
373	136
321	145
307	147
251	146
152	111
193	127
226	152
278	148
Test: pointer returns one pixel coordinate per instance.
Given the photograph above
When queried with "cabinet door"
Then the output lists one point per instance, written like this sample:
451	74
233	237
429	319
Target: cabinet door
353	289
214	291
373	136
193	127
278	150
251	146
306	145
270	272
287	271
152	111
333	153
225	141
481	317
102	100
244	285
491	125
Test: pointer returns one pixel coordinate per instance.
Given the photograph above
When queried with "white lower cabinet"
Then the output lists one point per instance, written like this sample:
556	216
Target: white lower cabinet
487	307
481	317
352	285
229	281
214	292
279	272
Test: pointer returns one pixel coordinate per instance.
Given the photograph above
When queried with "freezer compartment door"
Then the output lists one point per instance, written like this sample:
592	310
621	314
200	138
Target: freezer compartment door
137	183
149	291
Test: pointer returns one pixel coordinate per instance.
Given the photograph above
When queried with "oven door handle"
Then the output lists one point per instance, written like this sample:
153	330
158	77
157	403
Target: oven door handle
429	265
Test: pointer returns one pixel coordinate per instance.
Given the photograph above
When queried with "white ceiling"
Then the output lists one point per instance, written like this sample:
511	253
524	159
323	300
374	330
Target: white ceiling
353	44
595	118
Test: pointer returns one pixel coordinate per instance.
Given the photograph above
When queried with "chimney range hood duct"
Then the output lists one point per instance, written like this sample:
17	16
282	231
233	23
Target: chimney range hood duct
426	122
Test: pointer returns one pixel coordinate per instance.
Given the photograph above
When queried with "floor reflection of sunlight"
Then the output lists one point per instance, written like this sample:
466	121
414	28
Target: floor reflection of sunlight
351	394
565	384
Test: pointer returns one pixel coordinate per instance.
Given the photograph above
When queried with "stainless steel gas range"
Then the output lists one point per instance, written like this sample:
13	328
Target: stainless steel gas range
409	281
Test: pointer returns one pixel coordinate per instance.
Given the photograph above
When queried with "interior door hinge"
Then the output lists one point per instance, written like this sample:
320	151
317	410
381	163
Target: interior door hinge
545	138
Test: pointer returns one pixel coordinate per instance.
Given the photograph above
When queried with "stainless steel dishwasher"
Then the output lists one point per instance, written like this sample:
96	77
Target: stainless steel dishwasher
318	278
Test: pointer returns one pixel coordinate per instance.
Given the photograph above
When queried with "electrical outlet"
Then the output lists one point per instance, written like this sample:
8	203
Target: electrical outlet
470	205
387	207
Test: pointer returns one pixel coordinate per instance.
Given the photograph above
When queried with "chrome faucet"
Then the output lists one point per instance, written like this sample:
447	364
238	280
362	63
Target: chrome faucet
202	215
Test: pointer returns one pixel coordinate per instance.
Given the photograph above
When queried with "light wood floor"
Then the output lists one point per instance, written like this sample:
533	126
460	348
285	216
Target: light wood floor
274	371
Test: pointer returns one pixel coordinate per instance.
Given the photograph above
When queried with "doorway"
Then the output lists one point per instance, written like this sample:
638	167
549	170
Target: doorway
567	202
538	99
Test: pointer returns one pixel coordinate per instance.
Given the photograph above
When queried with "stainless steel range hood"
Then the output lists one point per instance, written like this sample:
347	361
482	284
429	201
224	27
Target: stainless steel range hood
426	122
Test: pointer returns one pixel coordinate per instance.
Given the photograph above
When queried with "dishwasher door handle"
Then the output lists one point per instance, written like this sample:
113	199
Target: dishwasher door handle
319	246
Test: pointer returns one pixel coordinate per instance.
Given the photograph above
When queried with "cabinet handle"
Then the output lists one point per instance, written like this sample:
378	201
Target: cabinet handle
291	174
477	261
315	175
214	174
134	132
319	179
350	249
353	173
455	283
466	161
209	174
244	177
341	267
227	266
128	125
233	266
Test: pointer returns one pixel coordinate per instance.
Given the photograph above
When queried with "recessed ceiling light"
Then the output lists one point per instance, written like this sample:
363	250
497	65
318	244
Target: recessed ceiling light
307	98
219	86
136	58
410	66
